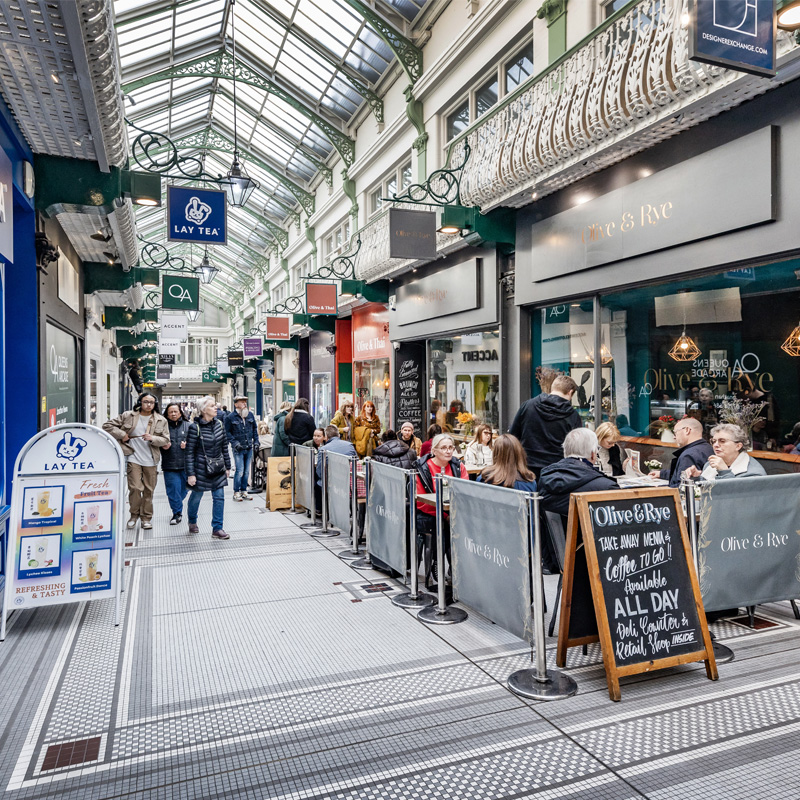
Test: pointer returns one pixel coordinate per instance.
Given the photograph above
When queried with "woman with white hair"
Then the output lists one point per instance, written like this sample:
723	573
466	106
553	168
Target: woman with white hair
208	466
730	460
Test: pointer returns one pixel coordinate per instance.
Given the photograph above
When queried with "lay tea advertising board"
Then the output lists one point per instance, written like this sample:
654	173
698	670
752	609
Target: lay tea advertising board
643	585
66	514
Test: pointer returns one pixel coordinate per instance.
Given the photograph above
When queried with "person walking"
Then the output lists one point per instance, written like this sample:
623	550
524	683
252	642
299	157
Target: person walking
299	424
280	441
542	423
208	466
142	433
240	427
173	461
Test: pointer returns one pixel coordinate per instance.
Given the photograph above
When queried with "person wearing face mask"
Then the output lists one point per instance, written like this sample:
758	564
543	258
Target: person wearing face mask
173	461
730	459
142	433
242	433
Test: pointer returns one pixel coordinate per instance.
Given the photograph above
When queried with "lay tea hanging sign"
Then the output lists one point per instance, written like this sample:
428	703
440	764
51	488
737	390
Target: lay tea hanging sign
643	585
321	298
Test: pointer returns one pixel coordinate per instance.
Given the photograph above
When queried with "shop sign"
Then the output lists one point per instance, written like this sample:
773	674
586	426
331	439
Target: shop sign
175	327
222	367
66	515
410	385
278	328
253	346
736	34
6	207
371	334
723	190
62	384
169	347
235	358
289	392
555	315
321	298
166	359
448	292
180	293
321	351
196	215
412	234
163	373
480	355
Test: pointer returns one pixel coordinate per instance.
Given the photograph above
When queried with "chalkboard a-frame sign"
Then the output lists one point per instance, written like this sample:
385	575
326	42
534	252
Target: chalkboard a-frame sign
644	588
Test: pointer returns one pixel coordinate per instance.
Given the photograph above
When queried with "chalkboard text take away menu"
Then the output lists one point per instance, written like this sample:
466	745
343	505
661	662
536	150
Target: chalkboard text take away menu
643	585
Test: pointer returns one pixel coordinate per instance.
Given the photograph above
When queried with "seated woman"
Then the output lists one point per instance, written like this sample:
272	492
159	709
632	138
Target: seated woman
509	467
394	452
612	455
317	440
433	431
730	459
479	450
265	438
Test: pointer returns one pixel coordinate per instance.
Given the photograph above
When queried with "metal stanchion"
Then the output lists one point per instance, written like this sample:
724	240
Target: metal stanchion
312	527
722	653
353	554
539	683
413	598
441	613
291	475
366	562
326	532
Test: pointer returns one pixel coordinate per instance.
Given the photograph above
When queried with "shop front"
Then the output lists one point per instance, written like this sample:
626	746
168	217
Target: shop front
449	363
677	294
321	368
372	353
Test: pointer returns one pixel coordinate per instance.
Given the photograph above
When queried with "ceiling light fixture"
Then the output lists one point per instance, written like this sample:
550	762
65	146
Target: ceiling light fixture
684	349
193	314
101	237
789	15
205	270
792	343
239	185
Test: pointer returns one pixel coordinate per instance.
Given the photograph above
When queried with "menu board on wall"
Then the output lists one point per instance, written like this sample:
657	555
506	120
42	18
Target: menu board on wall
645	591
410	388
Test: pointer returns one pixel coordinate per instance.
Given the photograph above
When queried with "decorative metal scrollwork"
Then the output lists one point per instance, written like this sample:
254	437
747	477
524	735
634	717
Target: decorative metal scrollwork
153	299
343	266
443	187
156	152
156	256
291	305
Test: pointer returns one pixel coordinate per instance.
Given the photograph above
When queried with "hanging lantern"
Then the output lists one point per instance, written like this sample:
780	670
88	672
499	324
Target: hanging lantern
205	270
685	349
792	343
238	184
605	355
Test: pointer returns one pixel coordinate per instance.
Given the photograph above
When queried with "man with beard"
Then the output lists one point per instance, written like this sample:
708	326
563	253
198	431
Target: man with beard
240	426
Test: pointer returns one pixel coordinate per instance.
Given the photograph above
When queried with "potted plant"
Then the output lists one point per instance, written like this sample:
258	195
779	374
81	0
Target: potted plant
663	427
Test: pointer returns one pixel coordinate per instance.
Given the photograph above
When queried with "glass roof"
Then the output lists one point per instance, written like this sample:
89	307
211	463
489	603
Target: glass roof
322	53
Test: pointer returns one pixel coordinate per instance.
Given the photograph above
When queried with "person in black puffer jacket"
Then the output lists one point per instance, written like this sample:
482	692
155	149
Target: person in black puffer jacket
207	442
299	425
173	461
394	452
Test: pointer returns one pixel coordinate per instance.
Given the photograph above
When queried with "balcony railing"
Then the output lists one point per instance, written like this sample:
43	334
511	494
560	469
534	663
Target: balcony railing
627	88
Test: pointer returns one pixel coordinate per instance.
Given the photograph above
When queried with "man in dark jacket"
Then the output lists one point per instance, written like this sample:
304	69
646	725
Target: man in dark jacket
574	473
542	423
242	432
394	452
693	451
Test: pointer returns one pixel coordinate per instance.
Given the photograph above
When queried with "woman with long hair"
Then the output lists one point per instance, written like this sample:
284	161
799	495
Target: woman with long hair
366	430
479	451
344	420
299	425
509	466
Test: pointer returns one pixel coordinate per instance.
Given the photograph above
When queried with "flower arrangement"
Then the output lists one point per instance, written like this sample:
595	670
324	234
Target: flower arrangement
743	413
664	423
653	463
466	421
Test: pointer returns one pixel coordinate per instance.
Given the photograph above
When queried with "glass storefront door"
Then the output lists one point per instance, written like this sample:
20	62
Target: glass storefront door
321	402
371	381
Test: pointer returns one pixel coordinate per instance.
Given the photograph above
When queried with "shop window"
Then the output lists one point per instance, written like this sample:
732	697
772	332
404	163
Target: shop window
400	177
372	382
465	382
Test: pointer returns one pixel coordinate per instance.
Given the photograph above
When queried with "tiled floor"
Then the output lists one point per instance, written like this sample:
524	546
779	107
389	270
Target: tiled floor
266	667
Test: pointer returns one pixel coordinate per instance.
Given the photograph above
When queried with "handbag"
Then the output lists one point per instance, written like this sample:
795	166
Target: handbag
215	465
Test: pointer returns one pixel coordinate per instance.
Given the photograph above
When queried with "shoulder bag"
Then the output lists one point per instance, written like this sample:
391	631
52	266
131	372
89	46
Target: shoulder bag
215	465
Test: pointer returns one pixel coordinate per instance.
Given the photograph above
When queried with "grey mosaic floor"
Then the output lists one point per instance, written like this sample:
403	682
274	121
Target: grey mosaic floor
266	667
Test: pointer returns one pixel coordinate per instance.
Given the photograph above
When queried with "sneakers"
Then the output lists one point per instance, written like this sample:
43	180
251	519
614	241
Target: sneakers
245	496
193	528
176	519
132	522
237	496
147	525
219	534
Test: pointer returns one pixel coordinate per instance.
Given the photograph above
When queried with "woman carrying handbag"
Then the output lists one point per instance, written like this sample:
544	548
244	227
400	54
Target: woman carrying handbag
366	430
208	466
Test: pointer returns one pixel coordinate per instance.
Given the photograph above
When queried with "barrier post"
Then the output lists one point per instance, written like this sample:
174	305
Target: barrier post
312	527
722	653
291	474
441	613
366	562
413	598
353	554
325	532
539	683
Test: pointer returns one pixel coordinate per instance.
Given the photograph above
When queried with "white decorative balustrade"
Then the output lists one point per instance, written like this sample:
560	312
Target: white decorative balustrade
628	88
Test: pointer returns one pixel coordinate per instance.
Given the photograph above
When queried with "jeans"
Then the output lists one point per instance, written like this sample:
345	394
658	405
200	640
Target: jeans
217	508
175	484
242	459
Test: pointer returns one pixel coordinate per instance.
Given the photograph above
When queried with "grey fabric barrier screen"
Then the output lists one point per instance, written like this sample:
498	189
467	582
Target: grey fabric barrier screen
490	545
338	467
303	488
749	541
387	512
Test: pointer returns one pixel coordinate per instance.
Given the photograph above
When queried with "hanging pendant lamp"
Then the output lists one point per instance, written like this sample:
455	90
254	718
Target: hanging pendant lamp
684	349
205	270
238	184
792	343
